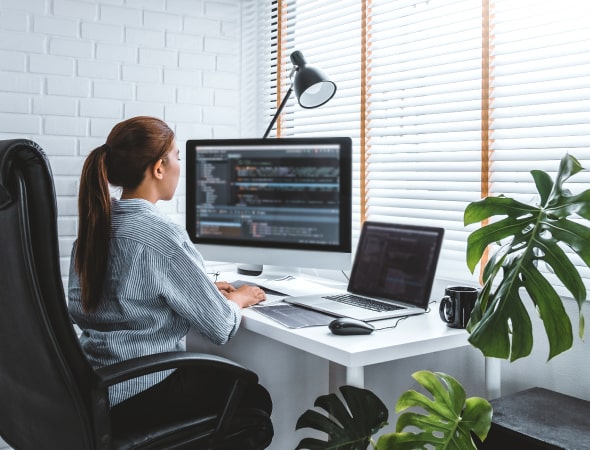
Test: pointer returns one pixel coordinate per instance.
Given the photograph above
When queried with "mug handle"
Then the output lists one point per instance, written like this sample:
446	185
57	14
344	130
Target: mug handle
446	309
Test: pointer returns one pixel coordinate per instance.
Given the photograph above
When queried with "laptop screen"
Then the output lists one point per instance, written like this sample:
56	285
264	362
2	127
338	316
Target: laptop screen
396	262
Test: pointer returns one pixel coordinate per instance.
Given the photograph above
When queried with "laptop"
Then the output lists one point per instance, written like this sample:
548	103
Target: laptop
392	274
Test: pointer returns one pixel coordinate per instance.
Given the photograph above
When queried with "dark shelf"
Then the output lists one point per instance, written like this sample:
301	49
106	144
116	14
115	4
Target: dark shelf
538	418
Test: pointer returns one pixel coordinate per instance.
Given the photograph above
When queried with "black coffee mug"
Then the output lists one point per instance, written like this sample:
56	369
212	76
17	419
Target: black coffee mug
457	304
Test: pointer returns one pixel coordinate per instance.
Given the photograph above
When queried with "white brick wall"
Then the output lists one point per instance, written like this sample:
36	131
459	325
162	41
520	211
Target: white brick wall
70	70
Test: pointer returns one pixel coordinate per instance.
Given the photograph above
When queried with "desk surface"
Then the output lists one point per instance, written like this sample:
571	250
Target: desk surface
415	335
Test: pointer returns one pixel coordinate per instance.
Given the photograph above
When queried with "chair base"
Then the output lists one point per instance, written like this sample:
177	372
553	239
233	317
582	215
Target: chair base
249	430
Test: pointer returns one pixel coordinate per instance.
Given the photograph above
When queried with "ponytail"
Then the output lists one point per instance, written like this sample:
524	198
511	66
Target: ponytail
94	226
132	146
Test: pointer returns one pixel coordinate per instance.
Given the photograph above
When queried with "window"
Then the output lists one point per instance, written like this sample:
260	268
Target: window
446	100
424	117
540	88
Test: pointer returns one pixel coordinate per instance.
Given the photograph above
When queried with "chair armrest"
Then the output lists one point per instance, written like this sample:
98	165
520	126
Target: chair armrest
143	365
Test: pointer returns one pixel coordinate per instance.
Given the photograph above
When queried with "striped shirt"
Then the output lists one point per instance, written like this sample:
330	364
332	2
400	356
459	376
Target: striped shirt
155	288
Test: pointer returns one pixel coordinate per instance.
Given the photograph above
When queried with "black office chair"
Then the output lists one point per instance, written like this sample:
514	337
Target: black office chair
50	395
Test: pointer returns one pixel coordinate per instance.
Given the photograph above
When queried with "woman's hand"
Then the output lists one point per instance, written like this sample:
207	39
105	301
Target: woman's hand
246	295
224	287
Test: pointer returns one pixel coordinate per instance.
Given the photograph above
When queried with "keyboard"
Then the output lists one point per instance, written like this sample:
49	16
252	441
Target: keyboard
362	302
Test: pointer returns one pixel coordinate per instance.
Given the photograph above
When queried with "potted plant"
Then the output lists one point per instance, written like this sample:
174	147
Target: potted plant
527	237
449	420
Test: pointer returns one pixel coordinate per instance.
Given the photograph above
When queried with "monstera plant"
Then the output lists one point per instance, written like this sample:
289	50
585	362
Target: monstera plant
528	237
448	423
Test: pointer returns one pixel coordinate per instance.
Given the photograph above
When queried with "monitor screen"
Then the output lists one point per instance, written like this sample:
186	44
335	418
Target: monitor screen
283	201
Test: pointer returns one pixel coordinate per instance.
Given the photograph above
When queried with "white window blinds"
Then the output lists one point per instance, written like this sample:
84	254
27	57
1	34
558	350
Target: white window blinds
424	114
446	101
258	81
541	90
331	42
540	83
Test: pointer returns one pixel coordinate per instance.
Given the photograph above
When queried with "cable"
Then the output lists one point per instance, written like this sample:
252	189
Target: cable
394	325
403	318
428	309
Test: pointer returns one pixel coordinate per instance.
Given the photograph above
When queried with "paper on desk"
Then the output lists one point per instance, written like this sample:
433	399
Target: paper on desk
293	286
292	316
272	300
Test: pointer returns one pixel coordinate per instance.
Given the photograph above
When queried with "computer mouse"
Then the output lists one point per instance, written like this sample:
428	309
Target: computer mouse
348	326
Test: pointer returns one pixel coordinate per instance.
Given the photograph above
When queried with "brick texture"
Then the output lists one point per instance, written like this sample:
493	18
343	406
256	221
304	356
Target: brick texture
70	70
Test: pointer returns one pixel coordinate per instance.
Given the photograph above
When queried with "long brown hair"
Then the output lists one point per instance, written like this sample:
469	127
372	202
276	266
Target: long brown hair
131	147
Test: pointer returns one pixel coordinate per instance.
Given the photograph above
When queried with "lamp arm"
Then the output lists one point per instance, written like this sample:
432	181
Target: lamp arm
278	113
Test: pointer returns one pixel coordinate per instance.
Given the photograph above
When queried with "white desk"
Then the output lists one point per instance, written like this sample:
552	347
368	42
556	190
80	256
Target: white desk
298	365
427	334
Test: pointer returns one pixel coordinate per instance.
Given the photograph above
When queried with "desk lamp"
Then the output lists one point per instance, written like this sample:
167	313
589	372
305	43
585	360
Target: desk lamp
312	87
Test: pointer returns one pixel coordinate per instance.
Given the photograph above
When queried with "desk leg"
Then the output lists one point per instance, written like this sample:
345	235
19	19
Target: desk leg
355	376
340	375
493	378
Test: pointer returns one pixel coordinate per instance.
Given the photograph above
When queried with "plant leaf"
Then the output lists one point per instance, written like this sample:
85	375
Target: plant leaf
491	206
448	421
567	167
492	333
583	204
556	321
500	325
544	184
574	235
478	241
349	425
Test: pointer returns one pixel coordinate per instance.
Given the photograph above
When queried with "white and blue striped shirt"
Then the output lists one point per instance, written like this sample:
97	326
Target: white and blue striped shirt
155	288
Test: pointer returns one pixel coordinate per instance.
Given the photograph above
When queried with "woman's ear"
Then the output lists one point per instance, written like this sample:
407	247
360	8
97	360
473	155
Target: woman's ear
158	169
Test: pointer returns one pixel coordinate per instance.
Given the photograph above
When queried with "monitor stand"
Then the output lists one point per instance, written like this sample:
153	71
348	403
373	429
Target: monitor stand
250	269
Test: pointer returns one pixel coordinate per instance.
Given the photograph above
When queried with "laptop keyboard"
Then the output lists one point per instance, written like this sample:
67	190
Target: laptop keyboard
362	302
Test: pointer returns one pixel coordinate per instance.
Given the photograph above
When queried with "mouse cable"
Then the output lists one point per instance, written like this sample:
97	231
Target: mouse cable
428	308
402	318
394	325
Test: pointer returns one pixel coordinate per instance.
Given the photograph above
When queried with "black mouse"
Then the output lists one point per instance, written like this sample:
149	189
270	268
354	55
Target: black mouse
348	326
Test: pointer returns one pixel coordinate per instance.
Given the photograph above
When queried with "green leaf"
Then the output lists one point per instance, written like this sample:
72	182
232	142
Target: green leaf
349	425
531	236
544	184
555	319
491	206
568	166
510	319
583	202
557	259
448	421
478	241
572	234
571	204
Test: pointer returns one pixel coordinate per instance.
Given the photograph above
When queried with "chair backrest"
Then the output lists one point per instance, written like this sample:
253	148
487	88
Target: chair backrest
46	383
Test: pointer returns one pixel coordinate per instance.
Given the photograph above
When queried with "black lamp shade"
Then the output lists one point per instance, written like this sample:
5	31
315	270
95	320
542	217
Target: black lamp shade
312	87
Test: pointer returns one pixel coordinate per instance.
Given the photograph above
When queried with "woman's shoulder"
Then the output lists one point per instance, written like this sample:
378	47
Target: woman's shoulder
144	223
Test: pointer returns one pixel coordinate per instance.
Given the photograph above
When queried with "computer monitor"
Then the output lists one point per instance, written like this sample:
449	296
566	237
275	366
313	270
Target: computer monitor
281	202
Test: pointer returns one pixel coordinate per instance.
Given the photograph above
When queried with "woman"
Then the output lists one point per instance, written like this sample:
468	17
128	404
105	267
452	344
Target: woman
136	281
